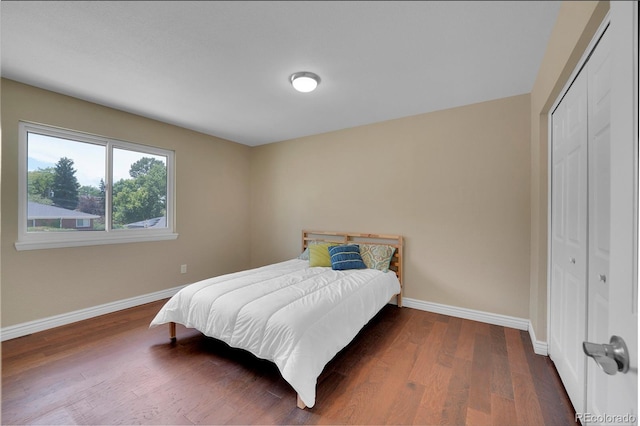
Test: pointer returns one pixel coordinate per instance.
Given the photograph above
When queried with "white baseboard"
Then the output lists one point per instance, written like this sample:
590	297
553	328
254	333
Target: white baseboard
470	314
19	330
539	348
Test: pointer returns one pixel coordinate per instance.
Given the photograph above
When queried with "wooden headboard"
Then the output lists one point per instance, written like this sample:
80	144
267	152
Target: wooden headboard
357	238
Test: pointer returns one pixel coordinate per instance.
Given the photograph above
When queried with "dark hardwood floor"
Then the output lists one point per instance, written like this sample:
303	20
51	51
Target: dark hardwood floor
405	367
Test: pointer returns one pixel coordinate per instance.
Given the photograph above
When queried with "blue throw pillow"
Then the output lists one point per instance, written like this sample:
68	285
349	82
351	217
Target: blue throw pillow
346	257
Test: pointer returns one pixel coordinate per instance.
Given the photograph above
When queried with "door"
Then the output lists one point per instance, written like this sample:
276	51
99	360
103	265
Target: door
569	239
613	399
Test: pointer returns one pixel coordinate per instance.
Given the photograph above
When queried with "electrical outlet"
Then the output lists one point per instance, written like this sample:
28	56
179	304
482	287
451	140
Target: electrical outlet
183	269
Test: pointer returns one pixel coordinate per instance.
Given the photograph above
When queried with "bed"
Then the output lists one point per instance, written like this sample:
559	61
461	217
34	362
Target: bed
298	313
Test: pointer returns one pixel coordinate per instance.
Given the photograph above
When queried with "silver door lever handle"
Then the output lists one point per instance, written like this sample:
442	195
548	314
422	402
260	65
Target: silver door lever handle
612	357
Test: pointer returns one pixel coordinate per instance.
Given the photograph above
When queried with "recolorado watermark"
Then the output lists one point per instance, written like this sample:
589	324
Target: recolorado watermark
619	419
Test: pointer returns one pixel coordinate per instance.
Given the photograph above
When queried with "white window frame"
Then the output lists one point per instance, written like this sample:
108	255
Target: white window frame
45	240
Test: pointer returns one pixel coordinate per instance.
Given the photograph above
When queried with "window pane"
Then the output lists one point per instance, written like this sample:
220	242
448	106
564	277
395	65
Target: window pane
65	184
139	190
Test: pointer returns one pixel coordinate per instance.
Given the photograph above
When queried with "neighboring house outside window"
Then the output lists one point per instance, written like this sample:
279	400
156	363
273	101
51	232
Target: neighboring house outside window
41	216
111	190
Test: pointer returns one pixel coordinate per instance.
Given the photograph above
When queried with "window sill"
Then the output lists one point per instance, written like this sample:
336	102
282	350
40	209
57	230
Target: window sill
111	239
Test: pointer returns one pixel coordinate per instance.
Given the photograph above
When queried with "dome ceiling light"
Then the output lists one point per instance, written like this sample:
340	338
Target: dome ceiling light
304	81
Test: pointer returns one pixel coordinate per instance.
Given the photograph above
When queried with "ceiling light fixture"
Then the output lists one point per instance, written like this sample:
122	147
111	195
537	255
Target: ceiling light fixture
304	81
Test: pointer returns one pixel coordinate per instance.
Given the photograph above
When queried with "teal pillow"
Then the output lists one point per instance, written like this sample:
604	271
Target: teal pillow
346	257
304	255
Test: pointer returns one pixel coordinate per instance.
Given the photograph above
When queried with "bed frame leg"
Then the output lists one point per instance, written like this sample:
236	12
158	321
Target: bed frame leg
172	331
299	403
399	300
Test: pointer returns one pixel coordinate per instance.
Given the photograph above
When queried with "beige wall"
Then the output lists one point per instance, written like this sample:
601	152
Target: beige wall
455	183
576	25
212	214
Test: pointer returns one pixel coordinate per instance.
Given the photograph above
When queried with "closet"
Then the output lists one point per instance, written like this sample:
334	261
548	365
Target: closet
580	223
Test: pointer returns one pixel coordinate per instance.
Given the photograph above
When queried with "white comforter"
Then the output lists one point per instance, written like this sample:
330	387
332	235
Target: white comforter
289	313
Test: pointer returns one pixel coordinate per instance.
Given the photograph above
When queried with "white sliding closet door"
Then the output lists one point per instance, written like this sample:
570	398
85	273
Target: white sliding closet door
580	228
569	240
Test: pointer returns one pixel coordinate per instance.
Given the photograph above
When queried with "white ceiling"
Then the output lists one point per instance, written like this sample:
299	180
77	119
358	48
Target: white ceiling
222	68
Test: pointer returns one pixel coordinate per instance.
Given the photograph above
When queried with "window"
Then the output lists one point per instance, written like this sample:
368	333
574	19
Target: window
83	223
80	189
